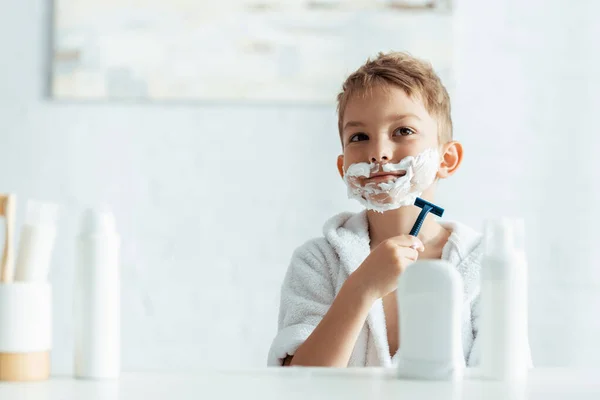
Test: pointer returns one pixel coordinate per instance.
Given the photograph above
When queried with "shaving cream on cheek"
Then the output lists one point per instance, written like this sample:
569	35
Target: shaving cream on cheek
419	174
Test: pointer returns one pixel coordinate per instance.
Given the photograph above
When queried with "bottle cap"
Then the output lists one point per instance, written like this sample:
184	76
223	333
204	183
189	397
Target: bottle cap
504	235
39	213
97	220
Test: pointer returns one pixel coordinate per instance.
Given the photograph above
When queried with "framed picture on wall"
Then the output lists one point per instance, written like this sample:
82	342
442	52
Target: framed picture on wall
271	51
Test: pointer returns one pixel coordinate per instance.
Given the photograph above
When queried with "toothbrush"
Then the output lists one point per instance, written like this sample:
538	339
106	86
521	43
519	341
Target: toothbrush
426	207
7	209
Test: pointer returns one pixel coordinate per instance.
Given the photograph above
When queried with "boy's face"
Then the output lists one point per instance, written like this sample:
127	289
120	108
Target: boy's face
386	126
391	149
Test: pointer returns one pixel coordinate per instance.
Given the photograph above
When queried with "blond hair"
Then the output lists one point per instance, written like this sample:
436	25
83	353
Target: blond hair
416	77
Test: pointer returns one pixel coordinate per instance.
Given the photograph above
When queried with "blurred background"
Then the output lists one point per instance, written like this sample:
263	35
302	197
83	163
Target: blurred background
214	183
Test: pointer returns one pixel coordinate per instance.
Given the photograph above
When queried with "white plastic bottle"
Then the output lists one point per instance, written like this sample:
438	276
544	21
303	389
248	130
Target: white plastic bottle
505	353
97	298
430	302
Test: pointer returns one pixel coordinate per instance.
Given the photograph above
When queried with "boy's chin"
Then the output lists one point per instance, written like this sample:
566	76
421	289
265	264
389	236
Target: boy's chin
389	204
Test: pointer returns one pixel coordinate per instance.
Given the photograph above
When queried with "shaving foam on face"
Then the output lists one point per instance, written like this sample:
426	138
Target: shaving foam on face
419	174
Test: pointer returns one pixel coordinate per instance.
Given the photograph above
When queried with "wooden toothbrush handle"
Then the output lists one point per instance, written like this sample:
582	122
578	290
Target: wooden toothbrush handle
8	209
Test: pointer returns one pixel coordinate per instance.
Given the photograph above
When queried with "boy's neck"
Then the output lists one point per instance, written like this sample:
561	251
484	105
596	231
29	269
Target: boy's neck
400	221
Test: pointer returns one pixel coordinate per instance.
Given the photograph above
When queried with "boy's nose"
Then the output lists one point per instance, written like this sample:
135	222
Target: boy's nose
381	150
382	158
381	153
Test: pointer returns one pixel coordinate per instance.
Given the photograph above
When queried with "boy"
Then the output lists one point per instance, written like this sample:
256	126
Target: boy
338	299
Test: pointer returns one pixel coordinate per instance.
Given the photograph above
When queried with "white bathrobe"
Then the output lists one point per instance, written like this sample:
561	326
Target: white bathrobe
319	268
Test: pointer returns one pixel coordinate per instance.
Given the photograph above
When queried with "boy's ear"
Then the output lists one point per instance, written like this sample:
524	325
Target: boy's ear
340	165
452	155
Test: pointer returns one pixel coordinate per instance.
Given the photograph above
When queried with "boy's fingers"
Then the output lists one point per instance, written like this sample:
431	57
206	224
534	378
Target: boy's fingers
408	241
412	254
418	247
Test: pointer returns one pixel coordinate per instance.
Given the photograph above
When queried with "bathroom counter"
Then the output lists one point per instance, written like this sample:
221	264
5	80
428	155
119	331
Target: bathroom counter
305	383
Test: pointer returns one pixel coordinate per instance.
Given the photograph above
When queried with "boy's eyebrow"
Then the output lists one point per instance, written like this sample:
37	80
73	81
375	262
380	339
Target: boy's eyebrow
353	124
408	115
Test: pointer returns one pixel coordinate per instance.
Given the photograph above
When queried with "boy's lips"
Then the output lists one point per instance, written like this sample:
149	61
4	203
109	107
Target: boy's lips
385	176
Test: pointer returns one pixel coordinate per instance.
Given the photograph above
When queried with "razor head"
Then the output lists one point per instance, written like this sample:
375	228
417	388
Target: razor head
436	210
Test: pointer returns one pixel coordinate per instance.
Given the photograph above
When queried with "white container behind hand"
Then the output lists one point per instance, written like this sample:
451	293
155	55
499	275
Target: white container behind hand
430	303
97	298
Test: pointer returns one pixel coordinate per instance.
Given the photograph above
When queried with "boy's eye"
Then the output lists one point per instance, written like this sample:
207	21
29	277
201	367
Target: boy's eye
404	131
359	137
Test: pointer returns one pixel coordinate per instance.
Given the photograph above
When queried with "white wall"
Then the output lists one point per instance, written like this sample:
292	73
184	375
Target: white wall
204	255
527	111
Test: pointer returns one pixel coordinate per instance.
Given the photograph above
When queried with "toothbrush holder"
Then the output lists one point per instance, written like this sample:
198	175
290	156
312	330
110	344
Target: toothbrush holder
25	331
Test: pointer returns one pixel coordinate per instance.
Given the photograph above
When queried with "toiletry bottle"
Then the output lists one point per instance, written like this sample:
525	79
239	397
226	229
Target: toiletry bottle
504	328
36	242
97	298
430	302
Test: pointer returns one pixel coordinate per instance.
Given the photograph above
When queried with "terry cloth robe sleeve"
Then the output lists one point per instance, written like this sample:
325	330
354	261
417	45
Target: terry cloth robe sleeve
474	357
306	294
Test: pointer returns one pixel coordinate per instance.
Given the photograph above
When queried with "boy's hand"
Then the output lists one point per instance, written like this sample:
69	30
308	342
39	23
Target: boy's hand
378	274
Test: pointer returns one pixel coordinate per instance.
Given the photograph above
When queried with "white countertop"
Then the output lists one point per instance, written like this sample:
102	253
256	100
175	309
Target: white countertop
305	383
